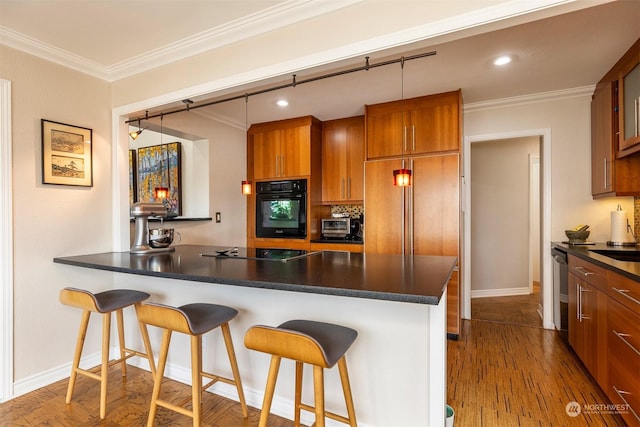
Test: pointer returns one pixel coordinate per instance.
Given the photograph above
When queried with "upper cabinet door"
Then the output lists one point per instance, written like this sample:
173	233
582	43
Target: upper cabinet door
295	152
385	131
435	127
266	153
343	160
416	126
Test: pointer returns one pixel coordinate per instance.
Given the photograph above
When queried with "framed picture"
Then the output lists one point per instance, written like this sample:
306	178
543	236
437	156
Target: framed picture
66	154
159	166
133	179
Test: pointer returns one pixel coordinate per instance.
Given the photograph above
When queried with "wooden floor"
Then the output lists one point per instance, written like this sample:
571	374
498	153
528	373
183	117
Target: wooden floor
510	375
513	310
500	375
127	405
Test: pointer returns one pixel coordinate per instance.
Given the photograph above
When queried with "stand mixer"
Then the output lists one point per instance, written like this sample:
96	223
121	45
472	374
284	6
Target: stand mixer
141	212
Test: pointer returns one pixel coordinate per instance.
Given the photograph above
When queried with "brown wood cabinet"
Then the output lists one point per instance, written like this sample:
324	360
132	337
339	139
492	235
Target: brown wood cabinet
422	219
615	158
587	336
415	126
629	101
286	149
343	161
282	149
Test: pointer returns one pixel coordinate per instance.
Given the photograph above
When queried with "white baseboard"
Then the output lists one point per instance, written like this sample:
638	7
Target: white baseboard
505	292
280	407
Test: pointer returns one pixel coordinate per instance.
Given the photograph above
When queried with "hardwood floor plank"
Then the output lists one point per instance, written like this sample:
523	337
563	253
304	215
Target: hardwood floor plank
508	375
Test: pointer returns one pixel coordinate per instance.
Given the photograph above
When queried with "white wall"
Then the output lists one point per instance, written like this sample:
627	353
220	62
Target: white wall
568	116
500	215
52	220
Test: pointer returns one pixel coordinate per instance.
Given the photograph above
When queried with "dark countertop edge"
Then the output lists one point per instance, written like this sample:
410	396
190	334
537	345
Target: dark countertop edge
380	296
178	219
346	242
584	252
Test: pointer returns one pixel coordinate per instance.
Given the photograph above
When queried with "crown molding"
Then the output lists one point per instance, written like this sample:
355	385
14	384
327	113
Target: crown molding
281	15
534	98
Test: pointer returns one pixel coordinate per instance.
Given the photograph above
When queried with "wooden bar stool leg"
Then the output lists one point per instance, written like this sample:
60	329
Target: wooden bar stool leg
106	334
144	332
298	398
226	333
346	387
82	333
121	341
196	378
157	380
269	391
318	390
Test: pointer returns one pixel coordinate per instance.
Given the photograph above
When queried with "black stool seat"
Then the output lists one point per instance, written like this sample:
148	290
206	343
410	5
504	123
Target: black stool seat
333	340
204	317
102	302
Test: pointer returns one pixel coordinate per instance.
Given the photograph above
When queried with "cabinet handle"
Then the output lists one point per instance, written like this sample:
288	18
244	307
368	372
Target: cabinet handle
349	188
282	164
605	174
584	271
579	302
277	165
636	117
413	136
623	338
582	316
342	188
623	292
629	407
404	139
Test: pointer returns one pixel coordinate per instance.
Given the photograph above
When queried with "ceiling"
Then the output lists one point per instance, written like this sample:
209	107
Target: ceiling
566	51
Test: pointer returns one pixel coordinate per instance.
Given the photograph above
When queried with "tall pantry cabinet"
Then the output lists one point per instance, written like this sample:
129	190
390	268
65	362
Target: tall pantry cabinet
424	218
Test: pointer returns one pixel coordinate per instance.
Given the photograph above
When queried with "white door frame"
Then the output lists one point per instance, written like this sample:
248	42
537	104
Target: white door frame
6	244
545	219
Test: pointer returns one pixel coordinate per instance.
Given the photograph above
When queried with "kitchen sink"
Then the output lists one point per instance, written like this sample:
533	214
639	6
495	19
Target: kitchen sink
632	255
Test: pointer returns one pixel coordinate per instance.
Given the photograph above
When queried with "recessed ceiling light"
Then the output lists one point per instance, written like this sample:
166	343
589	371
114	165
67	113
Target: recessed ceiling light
282	103
502	60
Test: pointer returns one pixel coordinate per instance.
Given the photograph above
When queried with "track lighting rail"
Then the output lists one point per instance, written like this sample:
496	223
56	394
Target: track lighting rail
294	83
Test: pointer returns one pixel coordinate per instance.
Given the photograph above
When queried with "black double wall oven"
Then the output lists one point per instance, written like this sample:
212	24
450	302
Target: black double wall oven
281	209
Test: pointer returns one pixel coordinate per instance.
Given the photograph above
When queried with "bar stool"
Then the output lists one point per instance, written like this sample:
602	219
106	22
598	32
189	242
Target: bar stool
104	303
194	320
315	343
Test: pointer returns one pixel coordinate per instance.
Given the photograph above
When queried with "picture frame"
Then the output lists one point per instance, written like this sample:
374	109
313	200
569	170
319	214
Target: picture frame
160	166
67	154
133	178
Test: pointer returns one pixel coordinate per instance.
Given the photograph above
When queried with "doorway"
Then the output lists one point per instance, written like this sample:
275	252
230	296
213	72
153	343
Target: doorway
6	244
505	221
505	239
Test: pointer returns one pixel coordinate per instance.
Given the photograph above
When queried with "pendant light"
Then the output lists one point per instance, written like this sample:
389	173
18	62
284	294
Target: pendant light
402	177
135	134
163	192
247	186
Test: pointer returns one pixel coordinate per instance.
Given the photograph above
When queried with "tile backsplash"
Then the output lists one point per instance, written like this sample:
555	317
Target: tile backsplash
354	211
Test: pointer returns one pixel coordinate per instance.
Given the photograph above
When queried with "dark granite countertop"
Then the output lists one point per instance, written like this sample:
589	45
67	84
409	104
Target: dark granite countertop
412	279
628	269
352	242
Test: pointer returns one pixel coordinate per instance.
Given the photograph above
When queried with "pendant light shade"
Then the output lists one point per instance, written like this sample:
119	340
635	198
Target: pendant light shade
246	187
135	134
161	192
402	177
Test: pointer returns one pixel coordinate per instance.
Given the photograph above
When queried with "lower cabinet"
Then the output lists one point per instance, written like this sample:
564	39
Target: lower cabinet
624	360
604	331
587	326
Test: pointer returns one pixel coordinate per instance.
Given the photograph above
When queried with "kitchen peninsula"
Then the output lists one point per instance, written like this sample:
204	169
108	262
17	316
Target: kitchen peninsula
396	303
